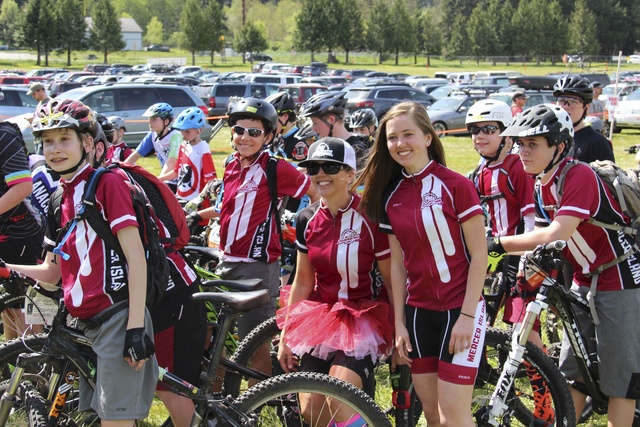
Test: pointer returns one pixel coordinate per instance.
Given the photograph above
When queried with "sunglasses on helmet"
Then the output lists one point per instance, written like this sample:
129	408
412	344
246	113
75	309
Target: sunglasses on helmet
253	132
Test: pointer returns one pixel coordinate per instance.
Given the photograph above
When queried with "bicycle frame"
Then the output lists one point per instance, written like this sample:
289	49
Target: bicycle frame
564	302
70	355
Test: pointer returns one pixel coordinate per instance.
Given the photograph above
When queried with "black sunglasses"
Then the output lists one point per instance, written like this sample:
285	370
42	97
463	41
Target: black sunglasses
253	132
486	129
328	168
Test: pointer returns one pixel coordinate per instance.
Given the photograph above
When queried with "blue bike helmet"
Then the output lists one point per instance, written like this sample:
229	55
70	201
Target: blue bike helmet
191	118
161	109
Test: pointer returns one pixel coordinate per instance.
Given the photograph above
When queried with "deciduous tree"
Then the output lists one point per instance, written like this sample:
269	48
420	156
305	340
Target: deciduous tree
9	14
72	27
195	28
155	32
250	39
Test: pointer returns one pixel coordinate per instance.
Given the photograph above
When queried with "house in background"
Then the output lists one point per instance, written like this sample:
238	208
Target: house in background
131	32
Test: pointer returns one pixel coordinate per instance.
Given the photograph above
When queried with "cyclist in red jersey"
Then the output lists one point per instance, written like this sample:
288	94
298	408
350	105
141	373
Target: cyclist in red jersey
438	260
342	272
545	136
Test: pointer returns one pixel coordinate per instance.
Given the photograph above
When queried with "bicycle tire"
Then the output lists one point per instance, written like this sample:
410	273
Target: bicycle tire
267	331
276	401
585	65
9	352
8	300
520	397
35	405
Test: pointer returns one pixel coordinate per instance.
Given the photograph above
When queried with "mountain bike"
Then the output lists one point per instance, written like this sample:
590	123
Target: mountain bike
43	385
579	61
543	265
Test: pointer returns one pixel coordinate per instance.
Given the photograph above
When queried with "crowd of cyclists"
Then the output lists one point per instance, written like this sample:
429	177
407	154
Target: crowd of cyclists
392	246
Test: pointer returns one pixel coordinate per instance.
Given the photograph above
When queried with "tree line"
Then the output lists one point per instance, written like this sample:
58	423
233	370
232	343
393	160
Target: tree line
389	28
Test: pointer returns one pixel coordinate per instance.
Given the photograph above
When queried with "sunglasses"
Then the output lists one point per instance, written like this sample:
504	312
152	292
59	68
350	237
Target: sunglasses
253	132
568	101
486	129
328	168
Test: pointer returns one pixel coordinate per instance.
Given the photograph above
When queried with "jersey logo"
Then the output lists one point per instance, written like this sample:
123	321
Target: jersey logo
348	237
300	151
430	199
248	187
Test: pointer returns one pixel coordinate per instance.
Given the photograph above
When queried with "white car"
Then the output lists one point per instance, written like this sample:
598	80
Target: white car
627	114
633	59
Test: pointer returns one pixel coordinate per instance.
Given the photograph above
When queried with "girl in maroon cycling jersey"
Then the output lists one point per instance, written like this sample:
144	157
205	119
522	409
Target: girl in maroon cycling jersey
438	260
338	317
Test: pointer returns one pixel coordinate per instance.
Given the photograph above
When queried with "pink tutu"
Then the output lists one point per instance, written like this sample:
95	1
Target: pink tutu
359	329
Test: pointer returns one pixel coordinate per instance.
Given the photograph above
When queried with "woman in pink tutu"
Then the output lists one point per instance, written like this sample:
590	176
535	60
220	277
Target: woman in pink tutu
338	319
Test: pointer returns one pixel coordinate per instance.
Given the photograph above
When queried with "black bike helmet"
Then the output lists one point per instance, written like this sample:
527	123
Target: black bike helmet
574	84
363	118
548	120
283	102
255	108
107	127
324	103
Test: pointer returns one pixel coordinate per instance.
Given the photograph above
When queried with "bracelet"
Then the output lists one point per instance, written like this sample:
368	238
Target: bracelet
468	315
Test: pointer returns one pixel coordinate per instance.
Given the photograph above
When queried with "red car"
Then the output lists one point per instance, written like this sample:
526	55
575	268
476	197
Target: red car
301	92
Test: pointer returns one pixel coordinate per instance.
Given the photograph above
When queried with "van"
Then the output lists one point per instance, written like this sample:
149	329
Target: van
278	79
441	75
464	78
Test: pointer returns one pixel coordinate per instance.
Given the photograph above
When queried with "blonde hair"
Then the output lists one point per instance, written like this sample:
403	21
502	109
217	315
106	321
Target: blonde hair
380	169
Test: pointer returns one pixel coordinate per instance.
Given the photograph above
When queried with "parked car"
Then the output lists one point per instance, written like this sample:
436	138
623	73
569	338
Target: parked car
221	92
130	101
157	48
278	79
273	67
444	91
58	86
624	90
448	114
534	96
44	71
14	101
97	68
627	113
314	69
633	59
354	74
257	56
188	69
427	83
12	79
381	98
301	92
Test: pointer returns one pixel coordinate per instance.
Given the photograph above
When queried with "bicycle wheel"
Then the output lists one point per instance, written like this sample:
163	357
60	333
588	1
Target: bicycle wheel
585	65
521	398
266	332
10	351
6	301
276	401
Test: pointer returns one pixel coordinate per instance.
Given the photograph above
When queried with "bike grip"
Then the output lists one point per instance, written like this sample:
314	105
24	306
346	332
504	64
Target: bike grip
5	272
558	245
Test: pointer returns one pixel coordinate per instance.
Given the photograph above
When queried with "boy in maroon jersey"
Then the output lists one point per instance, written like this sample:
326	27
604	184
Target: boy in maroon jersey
545	136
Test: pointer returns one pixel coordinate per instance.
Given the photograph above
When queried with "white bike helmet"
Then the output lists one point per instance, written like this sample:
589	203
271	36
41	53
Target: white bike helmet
489	110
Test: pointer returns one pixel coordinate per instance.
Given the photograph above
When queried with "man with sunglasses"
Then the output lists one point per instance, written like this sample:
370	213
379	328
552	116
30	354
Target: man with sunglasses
575	94
248	233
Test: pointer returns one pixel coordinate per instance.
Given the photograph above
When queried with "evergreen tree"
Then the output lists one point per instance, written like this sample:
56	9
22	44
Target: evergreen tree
34	30
350	31
106	32
500	13
583	29
429	40
250	39
195	29
216	31
309	28
72	27
401	37
378	28
459	41
481	32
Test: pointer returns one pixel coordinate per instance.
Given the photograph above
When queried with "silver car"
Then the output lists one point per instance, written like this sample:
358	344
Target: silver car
14	101
448	114
130	101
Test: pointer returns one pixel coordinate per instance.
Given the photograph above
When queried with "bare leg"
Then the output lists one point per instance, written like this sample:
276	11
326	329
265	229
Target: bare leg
426	386
620	412
180	408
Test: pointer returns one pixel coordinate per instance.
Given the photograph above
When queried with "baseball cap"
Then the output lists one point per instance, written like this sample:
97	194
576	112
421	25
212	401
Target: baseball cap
332	150
34	88
596	84
519	95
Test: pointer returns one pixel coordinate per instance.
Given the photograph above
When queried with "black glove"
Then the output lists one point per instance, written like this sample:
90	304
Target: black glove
138	345
496	253
193	219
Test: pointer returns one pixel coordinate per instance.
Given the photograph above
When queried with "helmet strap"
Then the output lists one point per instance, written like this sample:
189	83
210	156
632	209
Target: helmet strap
77	166
283	124
490	159
328	124
553	161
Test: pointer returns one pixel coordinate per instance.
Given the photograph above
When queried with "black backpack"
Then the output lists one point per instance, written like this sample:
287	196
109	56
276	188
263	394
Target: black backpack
158	269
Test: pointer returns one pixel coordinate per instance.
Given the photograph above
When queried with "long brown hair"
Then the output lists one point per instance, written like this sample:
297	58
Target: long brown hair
380	169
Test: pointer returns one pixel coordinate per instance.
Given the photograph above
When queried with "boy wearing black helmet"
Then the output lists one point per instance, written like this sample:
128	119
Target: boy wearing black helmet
286	140
248	234
326	112
545	135
575	94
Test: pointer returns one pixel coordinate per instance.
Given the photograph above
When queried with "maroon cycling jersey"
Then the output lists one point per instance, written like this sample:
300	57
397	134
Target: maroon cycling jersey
425	212
94	277
343	251
509	179
118	152
247	227
591	246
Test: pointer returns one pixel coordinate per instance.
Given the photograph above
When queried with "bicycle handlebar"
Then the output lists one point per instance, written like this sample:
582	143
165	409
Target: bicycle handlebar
558	245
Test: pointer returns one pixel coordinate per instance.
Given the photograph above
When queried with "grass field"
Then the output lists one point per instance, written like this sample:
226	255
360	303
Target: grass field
460	157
